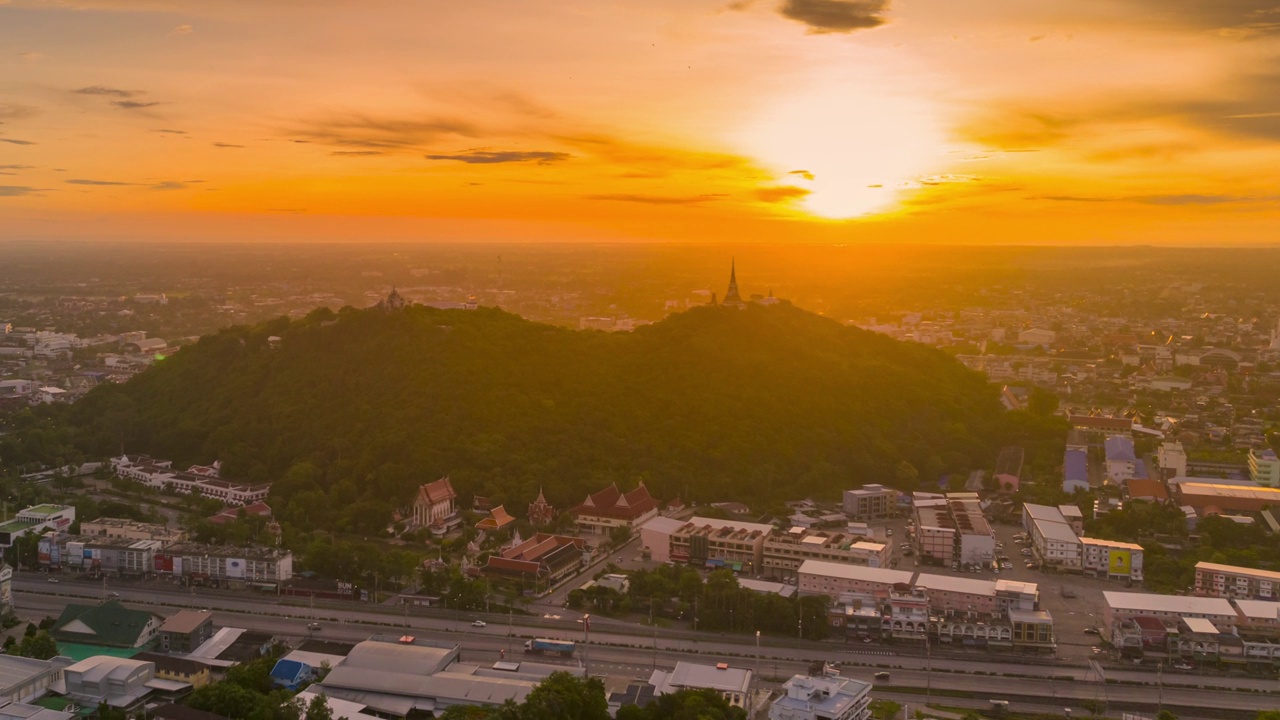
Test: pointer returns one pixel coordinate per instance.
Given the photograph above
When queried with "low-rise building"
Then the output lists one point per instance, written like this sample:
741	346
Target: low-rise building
1112	559
199	479
119	683
819	577
542	560
870	502
1230	581
37	519
186	630
108	624
712	542
1120	607
822	698
130	530
784	552
23	679
1264	467
262	567
1241	498
731	683
1075	471
611	508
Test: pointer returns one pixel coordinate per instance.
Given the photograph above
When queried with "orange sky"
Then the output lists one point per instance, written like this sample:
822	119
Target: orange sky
973	121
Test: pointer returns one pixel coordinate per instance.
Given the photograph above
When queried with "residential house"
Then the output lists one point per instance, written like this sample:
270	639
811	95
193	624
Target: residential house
109	624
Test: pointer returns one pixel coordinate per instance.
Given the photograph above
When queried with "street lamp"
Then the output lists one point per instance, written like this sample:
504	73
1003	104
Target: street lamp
586	644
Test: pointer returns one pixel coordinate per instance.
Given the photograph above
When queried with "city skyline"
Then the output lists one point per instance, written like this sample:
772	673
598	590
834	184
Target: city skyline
1105	122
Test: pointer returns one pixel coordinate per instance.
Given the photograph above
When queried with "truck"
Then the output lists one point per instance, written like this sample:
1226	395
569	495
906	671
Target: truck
538	646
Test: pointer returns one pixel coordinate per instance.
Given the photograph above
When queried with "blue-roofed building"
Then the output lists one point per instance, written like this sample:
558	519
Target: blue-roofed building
1075	465
1121	459
292	674
1140	470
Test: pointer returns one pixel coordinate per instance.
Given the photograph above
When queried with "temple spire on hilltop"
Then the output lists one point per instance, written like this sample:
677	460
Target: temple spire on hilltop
731	296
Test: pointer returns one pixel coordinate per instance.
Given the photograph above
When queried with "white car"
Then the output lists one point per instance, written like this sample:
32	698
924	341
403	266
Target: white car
478	623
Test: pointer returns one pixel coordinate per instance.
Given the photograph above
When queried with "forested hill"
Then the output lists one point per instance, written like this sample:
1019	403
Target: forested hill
347	413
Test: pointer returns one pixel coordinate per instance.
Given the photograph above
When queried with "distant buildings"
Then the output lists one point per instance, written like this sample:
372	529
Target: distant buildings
1056	539
951	528
542	560
186	630
199	480
497	519
125	529
1173	460
1240	632
1212	497
1008	471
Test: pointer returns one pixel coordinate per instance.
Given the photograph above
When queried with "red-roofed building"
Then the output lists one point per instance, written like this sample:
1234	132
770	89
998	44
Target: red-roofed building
542	559
227	515
497	519
611	508
1146	489
436	507
540	511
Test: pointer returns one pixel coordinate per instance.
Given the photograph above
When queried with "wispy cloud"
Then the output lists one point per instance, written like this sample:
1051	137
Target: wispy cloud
781	193
17	167
83	181
169	131
184	29
489	157
15	141
107	91
1164	200
357	153
14	111
802	173
656	199
836	16
133	104
18	190
31	57
226	145
367	132
169	185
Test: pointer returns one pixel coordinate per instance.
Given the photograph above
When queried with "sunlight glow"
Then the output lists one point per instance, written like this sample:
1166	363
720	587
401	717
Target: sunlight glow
863	148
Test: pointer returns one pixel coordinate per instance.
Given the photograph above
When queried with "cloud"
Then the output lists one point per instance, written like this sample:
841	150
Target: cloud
18	190
357	153
106	91
169	131
15	141
490	157
169	185
82	181
17	167
780	193
948	179
226	145
836	16
133	104
802	173
1164	200
656	199
184	29
1230	17
14	111
31	56
357	130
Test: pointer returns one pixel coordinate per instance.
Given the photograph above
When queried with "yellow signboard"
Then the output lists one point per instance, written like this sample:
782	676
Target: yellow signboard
1120	562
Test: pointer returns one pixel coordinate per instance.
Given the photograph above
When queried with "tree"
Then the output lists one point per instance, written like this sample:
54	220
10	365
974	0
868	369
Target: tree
39	646
684	705
318	709
563	696
1166	715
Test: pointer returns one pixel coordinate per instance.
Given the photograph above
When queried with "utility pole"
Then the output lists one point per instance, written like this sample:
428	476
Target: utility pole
586	644
1159	688
655	635
928	670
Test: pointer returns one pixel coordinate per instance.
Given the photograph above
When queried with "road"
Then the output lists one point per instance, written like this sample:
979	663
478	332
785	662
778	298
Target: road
635	656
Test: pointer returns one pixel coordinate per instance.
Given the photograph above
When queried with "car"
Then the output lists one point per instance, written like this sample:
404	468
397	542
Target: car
114	594
866	640
889	532
882	676
53	579
1182	666
478	623
1007	565
1091	631
313	626
1097	650
1030	564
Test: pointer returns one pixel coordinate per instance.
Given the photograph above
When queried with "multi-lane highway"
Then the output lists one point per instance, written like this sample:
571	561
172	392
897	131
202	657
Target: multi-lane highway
634	654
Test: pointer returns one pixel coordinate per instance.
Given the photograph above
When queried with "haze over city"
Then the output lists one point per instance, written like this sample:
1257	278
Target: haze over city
933	121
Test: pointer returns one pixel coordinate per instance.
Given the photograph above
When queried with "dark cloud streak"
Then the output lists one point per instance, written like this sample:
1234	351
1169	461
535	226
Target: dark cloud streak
836	16
492	157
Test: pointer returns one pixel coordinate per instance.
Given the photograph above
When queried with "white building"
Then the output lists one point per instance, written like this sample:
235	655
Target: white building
1110	558
822	698
731	683
1264	467
1173	460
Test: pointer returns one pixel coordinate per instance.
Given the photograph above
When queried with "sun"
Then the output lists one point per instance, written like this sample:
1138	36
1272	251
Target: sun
855	149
